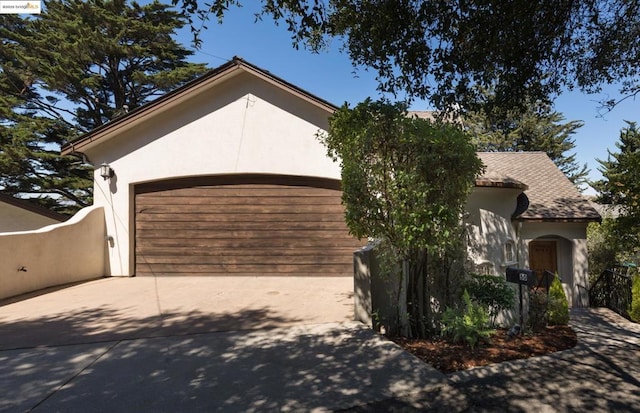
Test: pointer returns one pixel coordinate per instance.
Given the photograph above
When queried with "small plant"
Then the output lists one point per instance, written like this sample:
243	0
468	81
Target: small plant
558	305
538	309
491	291
634	311
469	324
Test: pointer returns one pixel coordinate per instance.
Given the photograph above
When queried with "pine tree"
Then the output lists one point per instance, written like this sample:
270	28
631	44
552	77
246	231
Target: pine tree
538	128
620	186
73	68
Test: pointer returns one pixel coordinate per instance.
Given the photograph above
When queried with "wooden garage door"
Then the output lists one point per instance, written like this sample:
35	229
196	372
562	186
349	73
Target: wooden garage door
242	225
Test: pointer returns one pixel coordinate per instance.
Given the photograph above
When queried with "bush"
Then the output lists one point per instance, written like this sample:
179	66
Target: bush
634	311
491	291
558	305
538	314
469	325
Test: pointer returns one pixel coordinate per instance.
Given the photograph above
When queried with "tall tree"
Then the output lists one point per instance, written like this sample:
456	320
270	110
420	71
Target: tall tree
72	68
405	182
620	186
538	128
442	50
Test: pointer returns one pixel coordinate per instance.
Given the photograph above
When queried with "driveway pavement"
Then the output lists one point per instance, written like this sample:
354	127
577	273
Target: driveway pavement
168	344
198	344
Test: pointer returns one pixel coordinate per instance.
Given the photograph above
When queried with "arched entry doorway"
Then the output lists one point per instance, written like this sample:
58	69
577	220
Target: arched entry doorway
543	256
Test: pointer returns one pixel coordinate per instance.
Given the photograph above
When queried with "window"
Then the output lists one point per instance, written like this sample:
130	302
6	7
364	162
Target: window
510	252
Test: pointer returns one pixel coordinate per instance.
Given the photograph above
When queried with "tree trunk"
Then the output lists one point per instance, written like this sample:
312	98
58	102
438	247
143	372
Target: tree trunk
403	312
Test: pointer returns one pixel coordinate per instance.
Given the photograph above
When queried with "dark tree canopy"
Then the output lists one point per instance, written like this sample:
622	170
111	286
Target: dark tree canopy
72	68
442	50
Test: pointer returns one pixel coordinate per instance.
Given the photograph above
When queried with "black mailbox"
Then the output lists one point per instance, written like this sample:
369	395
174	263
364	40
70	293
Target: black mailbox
521	276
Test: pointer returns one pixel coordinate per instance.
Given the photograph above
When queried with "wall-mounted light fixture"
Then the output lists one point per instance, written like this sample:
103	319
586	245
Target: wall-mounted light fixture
105	171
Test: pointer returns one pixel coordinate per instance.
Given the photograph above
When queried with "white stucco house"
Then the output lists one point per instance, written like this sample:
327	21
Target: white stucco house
225	175
20	215
525	213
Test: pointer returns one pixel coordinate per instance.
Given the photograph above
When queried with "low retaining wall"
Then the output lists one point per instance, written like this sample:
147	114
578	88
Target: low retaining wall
54	255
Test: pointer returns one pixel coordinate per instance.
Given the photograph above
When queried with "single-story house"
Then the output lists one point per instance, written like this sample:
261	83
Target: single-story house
21	215
225	175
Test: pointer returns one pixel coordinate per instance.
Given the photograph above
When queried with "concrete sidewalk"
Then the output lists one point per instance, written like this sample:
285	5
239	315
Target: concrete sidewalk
601	374
167	345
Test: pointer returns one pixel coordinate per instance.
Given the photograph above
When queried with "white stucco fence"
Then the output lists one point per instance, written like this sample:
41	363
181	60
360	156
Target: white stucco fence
54	255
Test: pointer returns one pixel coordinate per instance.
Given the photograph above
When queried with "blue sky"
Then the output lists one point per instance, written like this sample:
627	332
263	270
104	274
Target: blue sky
331	76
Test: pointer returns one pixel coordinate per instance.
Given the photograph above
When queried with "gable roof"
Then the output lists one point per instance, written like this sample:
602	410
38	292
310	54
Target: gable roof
213	77
552	197
31	207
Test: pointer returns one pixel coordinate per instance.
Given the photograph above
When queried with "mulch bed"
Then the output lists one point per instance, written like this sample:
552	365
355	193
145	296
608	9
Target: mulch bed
448	357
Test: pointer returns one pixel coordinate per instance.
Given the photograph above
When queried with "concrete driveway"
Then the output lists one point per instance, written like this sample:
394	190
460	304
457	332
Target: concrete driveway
198	344
243	345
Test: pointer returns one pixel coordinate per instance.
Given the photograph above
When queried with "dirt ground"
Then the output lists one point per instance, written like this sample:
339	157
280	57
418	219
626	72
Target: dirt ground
448	357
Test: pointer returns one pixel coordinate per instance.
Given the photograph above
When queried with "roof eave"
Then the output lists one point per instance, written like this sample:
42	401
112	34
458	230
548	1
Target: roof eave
559	219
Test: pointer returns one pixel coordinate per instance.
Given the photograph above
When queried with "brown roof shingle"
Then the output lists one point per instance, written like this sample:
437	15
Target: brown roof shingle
552	197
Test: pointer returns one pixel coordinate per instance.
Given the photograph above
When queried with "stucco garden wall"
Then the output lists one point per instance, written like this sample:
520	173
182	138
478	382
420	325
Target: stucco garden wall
54	255
243	125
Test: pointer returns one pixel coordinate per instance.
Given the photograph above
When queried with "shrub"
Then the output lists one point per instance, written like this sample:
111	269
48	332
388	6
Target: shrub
634	311
558	305
538	314
492	291
469	324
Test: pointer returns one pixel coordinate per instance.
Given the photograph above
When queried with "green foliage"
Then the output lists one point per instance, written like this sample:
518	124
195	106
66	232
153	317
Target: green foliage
538	309
603	246
405	181
537	128
620	188
469	325
558	304
634	311
491	291
441	51
70	69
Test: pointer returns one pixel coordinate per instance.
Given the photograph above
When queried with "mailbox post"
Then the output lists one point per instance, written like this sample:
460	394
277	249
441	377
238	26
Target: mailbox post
521	277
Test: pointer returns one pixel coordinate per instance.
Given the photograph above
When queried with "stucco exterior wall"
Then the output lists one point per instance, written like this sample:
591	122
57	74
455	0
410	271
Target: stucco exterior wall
490	227
54	255
244	125
13	218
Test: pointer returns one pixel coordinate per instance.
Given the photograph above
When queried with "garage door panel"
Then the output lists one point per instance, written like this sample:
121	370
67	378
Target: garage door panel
221	235
238	209
229	225
252	269
239	259
204	217
253	244
231	190
274	225
149	251
238	200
